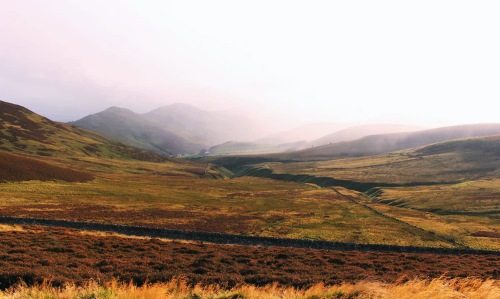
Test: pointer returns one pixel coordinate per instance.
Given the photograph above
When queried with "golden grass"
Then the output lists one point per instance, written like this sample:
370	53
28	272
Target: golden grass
178	288
11	228
244	205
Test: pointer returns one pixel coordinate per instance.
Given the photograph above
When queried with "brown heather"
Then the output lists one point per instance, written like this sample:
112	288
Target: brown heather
34	254
19	168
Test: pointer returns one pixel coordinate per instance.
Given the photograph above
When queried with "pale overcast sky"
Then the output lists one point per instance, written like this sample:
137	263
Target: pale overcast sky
419	62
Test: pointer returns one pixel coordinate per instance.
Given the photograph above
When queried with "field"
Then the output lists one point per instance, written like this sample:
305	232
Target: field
35	253
454	161
467	212
169	196
448	191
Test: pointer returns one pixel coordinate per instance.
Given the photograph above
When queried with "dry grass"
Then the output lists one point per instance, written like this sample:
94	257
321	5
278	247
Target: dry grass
178	288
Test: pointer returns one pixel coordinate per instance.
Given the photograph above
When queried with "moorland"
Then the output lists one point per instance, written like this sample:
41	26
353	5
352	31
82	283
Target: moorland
443	194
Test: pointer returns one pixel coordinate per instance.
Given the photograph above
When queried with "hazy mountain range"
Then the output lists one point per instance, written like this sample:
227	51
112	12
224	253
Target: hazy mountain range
184	129
172	129
180	128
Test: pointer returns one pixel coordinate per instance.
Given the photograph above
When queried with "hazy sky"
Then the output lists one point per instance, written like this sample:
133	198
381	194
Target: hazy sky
420	62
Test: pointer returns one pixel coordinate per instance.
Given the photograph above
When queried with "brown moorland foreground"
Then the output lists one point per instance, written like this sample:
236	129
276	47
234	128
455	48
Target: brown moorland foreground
177	288
35	254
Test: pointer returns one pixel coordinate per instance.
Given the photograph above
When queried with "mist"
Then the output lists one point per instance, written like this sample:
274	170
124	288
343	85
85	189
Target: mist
283	63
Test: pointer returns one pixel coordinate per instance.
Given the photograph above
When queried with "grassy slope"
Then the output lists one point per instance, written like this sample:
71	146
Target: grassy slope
452	161
25	132
20	168
453	212
468	212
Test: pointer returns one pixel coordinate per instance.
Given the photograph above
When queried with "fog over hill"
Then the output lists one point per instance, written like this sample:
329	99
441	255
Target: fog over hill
173	129
384	143
356	132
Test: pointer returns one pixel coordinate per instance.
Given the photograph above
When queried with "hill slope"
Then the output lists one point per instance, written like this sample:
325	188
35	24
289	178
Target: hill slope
377	144
445	162
357	132
25	132
19	168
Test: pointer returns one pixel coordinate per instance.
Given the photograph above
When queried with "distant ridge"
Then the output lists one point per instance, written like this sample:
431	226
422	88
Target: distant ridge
356	132
384	143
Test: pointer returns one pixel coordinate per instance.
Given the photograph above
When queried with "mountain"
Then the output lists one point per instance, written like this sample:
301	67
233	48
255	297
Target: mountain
138	131
357	132
25	132
206	127
384	143
172	129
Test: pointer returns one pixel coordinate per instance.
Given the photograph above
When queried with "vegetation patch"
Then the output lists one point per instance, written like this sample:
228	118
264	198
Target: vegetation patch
20	168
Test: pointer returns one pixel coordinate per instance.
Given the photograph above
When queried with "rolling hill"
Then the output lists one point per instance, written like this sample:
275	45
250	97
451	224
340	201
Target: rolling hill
25	132
357	132
445	162
384	143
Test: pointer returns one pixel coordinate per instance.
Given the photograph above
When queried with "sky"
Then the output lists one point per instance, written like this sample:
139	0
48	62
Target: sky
414	62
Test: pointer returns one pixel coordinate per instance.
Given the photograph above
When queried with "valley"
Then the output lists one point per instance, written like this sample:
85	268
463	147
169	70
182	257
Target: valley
441	198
